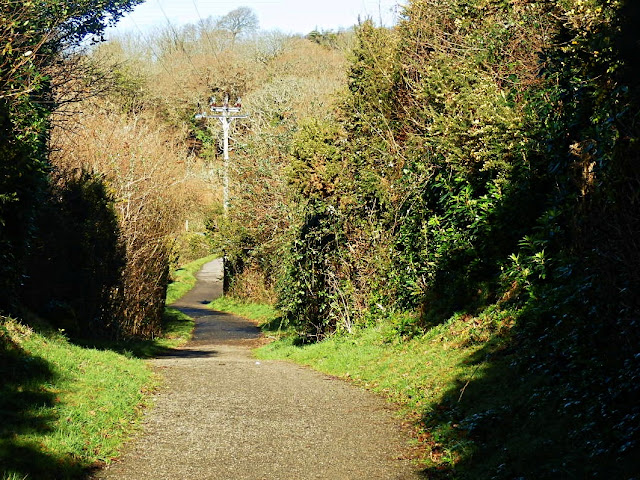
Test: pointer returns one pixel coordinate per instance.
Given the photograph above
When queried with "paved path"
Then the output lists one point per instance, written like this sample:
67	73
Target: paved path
224	415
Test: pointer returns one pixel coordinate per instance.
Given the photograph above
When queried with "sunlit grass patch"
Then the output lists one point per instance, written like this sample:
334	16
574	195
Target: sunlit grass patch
421	374
259	312
184	278
64	408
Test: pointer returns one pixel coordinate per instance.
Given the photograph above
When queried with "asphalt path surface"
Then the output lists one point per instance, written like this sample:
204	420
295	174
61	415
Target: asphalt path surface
224	415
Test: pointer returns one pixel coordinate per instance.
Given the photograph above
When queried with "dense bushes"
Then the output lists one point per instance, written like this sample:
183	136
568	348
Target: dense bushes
147	179
85	221
76	260
295	84
485	138
23	180
484	167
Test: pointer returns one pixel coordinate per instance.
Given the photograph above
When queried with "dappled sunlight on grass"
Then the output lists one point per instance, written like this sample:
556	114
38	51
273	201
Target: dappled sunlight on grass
265	315
483	399
429	376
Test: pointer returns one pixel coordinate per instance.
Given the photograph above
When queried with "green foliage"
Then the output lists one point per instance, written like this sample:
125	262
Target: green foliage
23	180
316	165
190	247
488	161
291	99
330	39
471	188
308	289
130	89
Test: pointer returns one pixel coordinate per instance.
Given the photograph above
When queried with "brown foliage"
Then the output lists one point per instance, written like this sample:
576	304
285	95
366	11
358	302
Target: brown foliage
152	182
298	83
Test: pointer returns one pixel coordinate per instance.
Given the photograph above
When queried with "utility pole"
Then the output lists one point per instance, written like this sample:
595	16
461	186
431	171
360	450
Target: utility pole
226	114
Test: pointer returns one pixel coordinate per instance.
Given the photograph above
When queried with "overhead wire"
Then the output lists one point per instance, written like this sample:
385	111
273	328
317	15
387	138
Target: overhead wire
204	29
158	57
175	33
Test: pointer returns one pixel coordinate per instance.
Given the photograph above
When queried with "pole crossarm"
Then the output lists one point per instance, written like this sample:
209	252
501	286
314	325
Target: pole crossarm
226	114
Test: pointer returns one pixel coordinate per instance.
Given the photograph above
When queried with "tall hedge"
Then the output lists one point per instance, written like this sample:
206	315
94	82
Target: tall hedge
33	36
487	166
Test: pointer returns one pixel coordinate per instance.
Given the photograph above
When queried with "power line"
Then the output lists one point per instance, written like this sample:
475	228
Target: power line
175	33
206	32
159	58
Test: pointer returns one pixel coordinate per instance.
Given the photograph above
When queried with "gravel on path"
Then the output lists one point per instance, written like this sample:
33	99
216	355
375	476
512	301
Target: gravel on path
224	415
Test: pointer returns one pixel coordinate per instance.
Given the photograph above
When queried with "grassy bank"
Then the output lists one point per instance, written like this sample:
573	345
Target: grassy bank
261	313
476	410
64	408
419	374
177	329
67	408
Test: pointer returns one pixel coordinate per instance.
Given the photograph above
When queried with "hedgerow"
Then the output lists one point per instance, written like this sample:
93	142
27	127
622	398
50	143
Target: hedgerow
486	161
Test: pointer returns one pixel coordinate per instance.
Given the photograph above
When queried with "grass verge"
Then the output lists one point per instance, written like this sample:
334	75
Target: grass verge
478	408
263	314
177	329
437	378
485	401
184	278
64	409
413	373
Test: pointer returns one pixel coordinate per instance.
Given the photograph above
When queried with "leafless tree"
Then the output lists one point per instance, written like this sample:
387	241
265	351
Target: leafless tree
241	21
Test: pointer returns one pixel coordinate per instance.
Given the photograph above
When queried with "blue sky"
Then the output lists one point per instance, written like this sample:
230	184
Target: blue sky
287	16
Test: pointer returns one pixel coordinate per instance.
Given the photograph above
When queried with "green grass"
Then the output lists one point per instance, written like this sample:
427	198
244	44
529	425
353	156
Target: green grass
429	376
177	329
259	312
183	279
64	408
412	373
482	408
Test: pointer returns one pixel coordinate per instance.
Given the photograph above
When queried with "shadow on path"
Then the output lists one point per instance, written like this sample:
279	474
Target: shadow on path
212	327
184	353
225	416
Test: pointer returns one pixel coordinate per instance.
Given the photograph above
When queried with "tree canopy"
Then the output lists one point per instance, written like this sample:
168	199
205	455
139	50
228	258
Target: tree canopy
239	22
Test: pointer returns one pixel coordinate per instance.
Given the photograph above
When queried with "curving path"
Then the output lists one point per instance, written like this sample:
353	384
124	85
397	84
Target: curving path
223	415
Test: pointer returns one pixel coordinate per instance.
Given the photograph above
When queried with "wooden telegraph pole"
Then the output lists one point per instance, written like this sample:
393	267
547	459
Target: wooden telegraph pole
226	114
